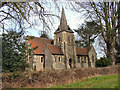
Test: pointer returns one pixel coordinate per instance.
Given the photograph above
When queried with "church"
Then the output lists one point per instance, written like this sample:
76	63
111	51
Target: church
60	53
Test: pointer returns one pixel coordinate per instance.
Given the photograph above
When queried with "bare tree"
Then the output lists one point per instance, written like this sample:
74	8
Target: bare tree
117	45
106	14
27	14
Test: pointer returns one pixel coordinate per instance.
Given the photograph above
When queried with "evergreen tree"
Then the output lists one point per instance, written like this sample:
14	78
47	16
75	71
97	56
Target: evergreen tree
44	35
14	52
87	32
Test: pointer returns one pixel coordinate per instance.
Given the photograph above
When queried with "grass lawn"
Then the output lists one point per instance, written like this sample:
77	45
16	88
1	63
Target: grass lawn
106	81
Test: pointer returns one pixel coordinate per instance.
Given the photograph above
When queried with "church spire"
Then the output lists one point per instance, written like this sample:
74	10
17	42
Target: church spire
63	21
63	24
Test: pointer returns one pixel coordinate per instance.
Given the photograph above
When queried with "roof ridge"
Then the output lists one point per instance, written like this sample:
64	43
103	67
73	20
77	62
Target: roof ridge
53	45
81	47
39	37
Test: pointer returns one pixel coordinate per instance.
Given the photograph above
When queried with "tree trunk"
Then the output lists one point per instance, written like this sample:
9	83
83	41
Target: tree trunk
88	40
118	30
110	50
112	55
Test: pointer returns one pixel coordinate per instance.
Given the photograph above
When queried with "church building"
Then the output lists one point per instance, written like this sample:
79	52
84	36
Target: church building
60	53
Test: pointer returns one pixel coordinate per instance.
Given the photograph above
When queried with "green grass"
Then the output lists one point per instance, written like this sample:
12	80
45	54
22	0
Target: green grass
106	81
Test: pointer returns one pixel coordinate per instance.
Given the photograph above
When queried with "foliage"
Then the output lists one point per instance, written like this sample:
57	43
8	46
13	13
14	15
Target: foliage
14	52
103	62
44	36
87	32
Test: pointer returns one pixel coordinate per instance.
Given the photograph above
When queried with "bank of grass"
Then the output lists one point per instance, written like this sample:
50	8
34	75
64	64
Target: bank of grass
49	78
105	81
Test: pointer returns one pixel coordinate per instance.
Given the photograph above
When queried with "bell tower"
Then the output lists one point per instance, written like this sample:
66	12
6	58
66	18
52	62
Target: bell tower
64	37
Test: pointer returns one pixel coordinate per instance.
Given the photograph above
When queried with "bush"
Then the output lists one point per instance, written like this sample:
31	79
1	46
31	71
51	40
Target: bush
103	62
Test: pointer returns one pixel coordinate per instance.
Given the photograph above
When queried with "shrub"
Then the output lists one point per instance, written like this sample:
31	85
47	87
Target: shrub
103	62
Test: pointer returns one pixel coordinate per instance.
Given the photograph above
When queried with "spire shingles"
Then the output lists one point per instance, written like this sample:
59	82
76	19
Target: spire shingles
63	23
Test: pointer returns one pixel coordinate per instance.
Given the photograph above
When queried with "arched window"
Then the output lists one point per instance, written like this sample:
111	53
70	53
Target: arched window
41	59
59	39
59	59
68	39
52	42
35	68
81	59
84	59
78	59
92	58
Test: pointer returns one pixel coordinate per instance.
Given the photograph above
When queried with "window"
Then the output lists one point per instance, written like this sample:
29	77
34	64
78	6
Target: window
81	59
59	39
52	42
68	39
35	68
92	58
41	59
84	59
59	59
78	59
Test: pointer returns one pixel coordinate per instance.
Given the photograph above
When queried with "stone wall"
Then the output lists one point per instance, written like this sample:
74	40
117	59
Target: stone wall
58	62
70	49
82	61
38	62
60	36
48	59
67	44
57	37
92	57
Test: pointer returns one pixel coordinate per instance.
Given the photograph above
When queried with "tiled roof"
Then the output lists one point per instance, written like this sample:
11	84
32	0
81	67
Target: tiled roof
39	44
82	51
54	49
